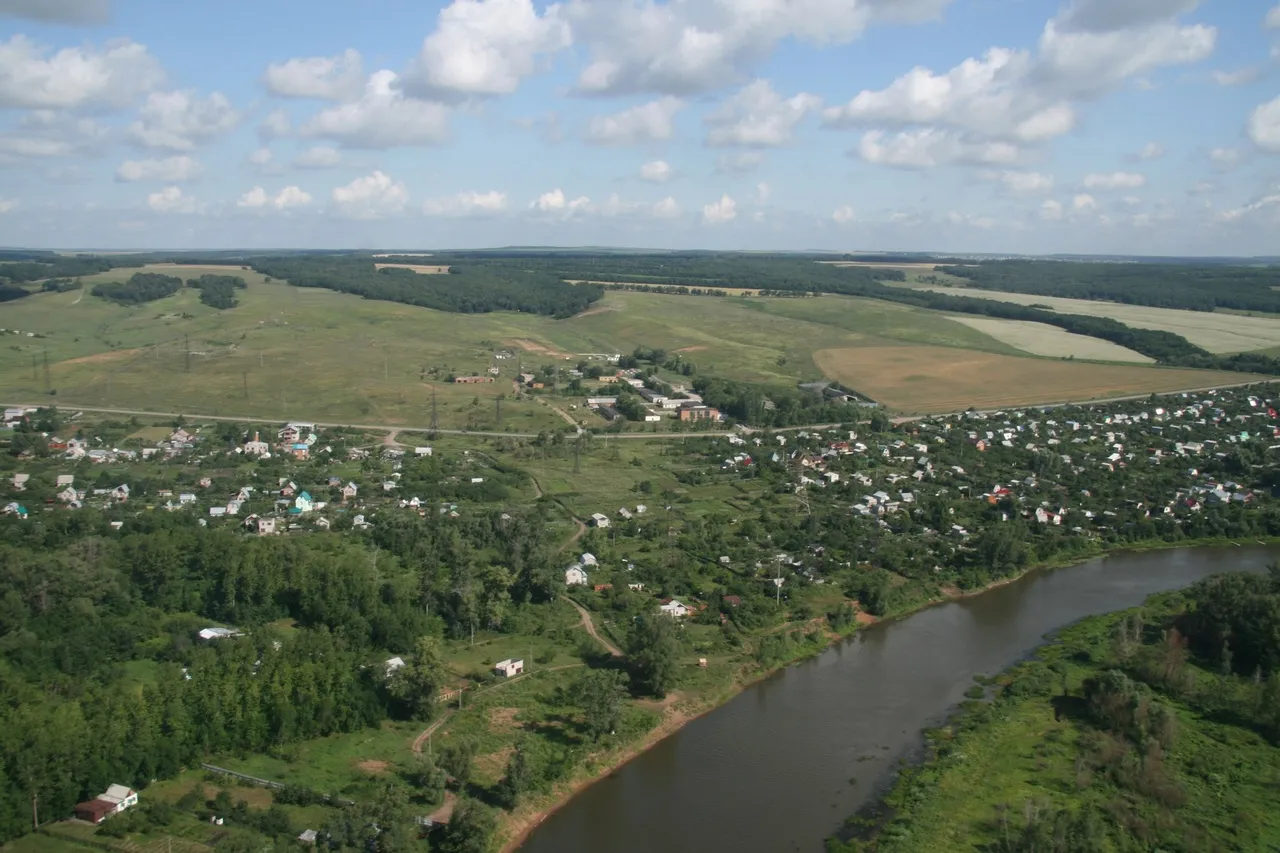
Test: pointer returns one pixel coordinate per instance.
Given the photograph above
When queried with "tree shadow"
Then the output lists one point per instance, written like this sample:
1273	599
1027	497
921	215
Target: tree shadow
1073	708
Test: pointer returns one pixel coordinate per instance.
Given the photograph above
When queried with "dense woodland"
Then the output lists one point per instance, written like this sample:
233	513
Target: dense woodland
218	291
468	289
141	287
1197	288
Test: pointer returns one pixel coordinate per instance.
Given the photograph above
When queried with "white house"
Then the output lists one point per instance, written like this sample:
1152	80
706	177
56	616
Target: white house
393	664
507	668
599	520
20	482
422	451
218	633
266	526
674	609
575	575
122	797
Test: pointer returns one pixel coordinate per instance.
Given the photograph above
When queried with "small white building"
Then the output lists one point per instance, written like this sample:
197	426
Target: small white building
575	575
422	451
393	664
599	520
674	609
217	633
509	667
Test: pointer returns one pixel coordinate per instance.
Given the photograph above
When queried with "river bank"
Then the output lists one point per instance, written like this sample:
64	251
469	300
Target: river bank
516	828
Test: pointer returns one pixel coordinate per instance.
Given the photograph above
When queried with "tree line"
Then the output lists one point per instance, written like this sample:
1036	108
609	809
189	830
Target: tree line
218	291
140	288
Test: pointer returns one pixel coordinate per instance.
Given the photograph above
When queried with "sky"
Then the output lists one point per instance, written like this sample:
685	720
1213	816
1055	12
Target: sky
999	126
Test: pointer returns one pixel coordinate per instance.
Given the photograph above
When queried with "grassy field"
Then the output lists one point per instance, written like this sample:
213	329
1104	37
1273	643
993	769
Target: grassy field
1043	339
1220	333
935	379
420	269
312	354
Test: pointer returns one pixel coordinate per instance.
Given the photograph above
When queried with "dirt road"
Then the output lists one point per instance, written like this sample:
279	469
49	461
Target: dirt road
590	625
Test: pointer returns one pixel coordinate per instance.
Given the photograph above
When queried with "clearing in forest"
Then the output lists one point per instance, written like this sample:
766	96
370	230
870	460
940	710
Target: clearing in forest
940	379
420	269
1043	339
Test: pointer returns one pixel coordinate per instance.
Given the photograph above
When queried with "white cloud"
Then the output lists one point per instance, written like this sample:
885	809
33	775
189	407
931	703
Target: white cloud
485	47
171	200
764	192
31	76
327	78
57	11
275	125
1114	181
1225	157
382	118
668	208
318	157
261	157
1236	78
1084	202
651	122
1261	203
1264	126
739	164
51	133
1050	210
843	215
1021	182
556	203
1108	15
171	170
289	197
719	212
467	204
371	197
758	117
1272	21
180	120
922	149
1151	151
691	46
8	204
656	172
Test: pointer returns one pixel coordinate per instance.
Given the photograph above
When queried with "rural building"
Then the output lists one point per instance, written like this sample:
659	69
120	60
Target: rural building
609	413
602	401
349	491
599	520
507	668
217	633
122	797
66	479
11	415
699	413
652	396
674	609
393	664
471	380
266	526
422	451
575	575
257	447
20	482
94	811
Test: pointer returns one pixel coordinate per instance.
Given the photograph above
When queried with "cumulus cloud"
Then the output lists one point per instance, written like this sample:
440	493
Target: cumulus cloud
1050	210
383	117
180	120
668	208
259	199
326	78
371	197
115	76
656	172
739	164
922	149
1236	78
682	48
556	203
651	122
1225	157
1272	21
1264	126
485	48
1083	202
275	125
467	204
8	204
1021	182
1151	151
843	215
1114	181
51	133
170	170
57	11
171	200
318	157
720	212
758	117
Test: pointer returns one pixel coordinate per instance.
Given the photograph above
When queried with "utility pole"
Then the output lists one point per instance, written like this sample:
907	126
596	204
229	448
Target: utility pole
186	345
35	812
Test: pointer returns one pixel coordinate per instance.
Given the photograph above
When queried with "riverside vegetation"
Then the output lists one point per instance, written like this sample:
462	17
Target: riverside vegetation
451	562
1151	729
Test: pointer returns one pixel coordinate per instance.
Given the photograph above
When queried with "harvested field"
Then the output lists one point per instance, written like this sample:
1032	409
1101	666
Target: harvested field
1220	333
537	348
420	269
404	255
732	291
372	767
940	379
1043	339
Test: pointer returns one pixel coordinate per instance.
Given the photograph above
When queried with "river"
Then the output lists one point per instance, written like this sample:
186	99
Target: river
770	770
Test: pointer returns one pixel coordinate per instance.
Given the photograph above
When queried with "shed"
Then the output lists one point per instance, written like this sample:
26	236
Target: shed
509	667
95	811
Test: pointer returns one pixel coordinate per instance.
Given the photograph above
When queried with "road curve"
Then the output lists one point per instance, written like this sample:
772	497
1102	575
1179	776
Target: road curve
590	625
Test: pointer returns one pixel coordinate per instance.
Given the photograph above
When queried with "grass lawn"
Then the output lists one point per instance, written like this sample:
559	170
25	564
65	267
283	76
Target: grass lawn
44	843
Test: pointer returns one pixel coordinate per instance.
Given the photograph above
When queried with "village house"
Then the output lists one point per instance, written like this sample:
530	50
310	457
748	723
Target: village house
509	667
673	608
471	380
349	491
575	575
257	447
422	451
699	413
599	520
20	482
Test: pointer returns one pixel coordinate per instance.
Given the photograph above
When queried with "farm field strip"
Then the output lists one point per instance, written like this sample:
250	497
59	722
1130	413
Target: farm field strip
937	379
1046	340
420	269
1218	333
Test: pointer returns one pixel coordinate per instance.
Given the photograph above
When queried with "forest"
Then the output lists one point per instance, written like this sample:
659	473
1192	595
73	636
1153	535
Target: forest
140	288
1156	729
1191	287
468	289
60	266
218	291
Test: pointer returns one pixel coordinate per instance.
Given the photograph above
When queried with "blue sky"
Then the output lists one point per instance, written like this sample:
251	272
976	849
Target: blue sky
1100	126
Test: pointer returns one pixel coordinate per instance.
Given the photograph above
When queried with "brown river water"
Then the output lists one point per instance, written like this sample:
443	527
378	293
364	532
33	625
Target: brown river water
770	771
